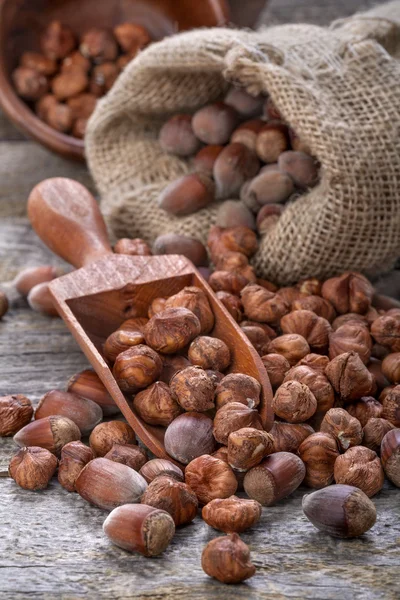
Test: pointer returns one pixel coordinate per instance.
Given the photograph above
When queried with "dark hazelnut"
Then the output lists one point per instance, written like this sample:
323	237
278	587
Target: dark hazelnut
15	412
272	140
319	452
386	331
194	299
175	497
294	402
88	385
391	367
57	40
69	84
257	337
232	303
231	514
137	368
291	345
209	353
99	45
277	367
238	387
374	366
85	413
364	409
132	37
262	305
103	78
287	437
160	467
234	416
234	165
349	377
188	436
105	435
227	559
214	123
346	429
172	243
210	478
322	307
74	456
206	157
247	105
360	467
247	447
301	167
390	455
128	454
172	364
156	406
314	329
391	406
350	292
351	337
40	63
29	83
269	187
176	136
193	389
352	318
233	213
374	431
51	433
32	468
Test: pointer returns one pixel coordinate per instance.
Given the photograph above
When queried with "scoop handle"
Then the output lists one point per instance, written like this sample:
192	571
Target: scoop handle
67	218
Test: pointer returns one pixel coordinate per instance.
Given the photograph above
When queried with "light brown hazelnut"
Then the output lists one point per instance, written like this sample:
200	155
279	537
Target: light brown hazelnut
350	292
103	78
391	367
346	429
57	40
131	37
246	133
238	387
40	300
137	368
172	363
318	384
231	261
374	431
85	413
267	217
29	83
209	353
28	278
294	402
360	467
74	456
227	559
105	435
247	447
128	454
277	367
206	157
291	345
352	318
301	167
269	187
351	337
287	437
278	476
194	299
193	389
233	166
289	294
59	117
319	452
272	140
69	84
32	468
210	478
39	62
156	406
157	306
342	511
134	324
239	239
172	330
188	436
310	287
297	143
390	455
231	514
176	136
386	331
187	194
88	385
317	362
349	377
74	61
391	406
119	341
160	467
108	484
228	281
244	103
364	409
321	307
314	329
269	331
234	416
133	247
99	45
232	303
15	412
215	123
262	305
173	496
257	337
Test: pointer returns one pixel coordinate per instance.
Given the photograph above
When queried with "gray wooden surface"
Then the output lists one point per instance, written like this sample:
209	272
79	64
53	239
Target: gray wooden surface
51	543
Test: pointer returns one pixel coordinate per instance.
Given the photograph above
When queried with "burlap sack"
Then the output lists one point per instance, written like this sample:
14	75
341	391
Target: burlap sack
338	87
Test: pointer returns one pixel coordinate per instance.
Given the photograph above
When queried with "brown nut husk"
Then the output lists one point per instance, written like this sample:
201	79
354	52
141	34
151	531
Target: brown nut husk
51	433
350	292
234	416
196	300
128	454
32	468
105	435
294	402
247	447
74	456
193	389
210	478
15	412
314	329
156	406
374	431
346	429
287	437
159	466
173	496
390	455
231	514
364	409
188	436
227	559
319	452
85	413
351	337
119	341
361	467
172	330
137	368
238	387
349	376
291	345
262	305
209	353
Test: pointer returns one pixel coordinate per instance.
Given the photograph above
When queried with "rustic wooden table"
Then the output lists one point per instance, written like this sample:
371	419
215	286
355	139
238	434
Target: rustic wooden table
51	543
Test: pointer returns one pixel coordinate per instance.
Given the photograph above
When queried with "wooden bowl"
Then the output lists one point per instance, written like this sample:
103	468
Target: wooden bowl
22	21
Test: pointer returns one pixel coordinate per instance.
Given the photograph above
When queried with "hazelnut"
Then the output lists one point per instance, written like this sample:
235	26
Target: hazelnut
57	40
287	437
268	330
276	477
88	385
79	128
140	528
294	402
360	467
233	213
176	136
131	37
391	367
215	123
267	217
193	389
51	433
262	305
319	452
351	338
232	304
271	111
269	187
59	117
349	377
173	496
244	103
69	84
374	366
205	158
234	416
310	287
134	324
257	337
277	367
350	292
210	478
291	345
157	306
187	195
40	300
228	281
289	294
29	83
137	368
119	341
188	436
233	166
209	353
386	331
227	559
28	278
133	247
247	447
74	61
301	167
15	412
172	243
215	376
105	435
172	330
108	484
246	133
390	455
231	514
314	329
74	456
40	63
239	239
272	140
385	392
342	511
320	306
160	467
42	108
318	384
196	300
238	387
374	431
156	406
316	362
172	363
103	78
298	144
352	318
99	45
391	406
85	413
128	454
346	429
32	468
365	409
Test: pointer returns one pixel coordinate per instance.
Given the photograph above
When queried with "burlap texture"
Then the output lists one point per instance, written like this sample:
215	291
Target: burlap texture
338	87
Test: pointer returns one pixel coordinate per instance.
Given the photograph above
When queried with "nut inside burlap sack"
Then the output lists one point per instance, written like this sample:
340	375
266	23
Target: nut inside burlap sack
338	88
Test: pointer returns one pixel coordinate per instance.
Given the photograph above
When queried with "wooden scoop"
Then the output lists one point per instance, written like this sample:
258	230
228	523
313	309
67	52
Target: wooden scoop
109	288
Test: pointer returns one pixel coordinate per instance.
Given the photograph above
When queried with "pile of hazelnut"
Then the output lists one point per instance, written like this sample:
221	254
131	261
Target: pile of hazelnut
64	81
240	148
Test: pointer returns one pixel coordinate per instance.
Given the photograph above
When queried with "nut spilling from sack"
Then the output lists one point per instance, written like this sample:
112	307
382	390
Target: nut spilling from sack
63	82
